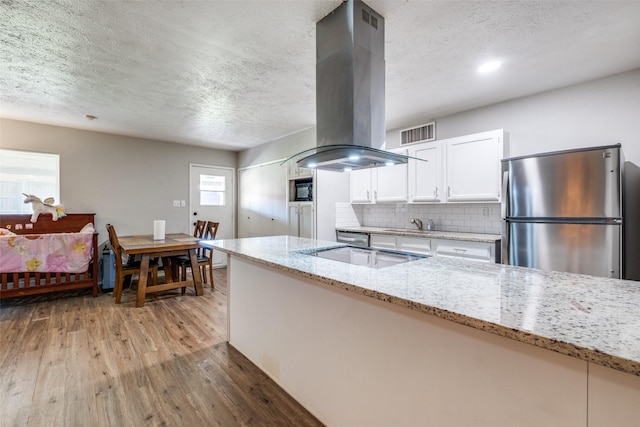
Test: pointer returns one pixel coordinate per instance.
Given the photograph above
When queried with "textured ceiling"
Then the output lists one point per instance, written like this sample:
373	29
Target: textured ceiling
235	74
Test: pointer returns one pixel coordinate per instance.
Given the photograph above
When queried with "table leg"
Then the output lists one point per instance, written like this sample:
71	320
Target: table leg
169	270
142	280
195	271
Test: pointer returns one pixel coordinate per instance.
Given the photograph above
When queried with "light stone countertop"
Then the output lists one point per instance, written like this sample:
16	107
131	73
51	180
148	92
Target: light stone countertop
591	318
448	235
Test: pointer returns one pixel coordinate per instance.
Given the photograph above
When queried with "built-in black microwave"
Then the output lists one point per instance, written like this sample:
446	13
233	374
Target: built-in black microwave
304	191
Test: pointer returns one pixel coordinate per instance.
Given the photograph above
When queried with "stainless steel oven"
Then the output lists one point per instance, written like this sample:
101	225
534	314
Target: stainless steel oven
353	238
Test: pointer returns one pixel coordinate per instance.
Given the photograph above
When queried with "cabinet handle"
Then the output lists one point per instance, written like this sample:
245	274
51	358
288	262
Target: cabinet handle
368	198
459	250
436	195
449	191
375	195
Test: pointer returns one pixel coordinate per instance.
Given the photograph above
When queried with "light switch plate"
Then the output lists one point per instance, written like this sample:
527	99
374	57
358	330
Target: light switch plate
183	203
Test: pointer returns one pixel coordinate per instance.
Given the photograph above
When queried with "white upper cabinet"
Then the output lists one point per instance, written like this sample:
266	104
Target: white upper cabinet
473	167
361	182
425	177
463	169
293	171
385	184
392	182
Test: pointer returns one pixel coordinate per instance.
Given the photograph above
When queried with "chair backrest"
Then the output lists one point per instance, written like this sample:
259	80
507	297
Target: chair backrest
199	229
115	246
211	230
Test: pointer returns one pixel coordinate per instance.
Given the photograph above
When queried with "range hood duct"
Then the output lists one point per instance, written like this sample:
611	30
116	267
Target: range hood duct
350	86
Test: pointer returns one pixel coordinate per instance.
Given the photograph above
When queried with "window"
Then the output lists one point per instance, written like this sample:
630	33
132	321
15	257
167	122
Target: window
212	190
27	172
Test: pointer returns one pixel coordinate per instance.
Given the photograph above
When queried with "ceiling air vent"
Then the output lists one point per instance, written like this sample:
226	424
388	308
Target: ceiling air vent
420	134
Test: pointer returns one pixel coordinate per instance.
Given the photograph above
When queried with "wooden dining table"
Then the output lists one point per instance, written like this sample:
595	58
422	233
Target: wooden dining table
172	245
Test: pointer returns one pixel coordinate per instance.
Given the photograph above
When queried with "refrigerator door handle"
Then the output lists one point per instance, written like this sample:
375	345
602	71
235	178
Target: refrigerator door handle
505	195
504	208
504	244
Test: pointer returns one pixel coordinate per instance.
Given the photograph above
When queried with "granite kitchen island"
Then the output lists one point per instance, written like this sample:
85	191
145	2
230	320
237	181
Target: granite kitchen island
435	341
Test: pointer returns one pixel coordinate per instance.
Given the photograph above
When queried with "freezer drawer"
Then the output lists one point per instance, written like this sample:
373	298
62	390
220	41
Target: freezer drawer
592	249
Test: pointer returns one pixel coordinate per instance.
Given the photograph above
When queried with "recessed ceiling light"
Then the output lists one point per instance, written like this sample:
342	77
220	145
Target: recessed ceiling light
489	66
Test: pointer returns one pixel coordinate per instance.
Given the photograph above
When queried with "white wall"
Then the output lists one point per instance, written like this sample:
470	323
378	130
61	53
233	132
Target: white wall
126	181
281	148
599	112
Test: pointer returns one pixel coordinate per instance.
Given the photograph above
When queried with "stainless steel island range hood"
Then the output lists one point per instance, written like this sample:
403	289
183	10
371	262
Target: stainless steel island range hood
350	85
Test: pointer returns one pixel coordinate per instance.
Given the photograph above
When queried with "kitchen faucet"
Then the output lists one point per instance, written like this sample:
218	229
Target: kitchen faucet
417	222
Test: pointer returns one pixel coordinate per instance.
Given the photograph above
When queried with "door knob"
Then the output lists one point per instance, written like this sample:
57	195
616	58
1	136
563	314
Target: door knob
195	213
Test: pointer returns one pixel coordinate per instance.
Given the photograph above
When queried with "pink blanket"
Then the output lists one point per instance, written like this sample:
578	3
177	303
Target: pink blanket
56	252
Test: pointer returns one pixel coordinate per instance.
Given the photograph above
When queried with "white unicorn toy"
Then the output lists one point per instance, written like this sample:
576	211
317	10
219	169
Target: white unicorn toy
39	207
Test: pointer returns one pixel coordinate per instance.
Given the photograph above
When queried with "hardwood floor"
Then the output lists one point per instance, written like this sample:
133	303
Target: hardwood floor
75	360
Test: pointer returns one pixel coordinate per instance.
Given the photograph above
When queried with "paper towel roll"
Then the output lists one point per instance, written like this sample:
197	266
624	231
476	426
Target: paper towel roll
158	229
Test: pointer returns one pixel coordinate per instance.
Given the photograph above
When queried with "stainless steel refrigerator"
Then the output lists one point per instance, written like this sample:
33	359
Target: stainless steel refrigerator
562	211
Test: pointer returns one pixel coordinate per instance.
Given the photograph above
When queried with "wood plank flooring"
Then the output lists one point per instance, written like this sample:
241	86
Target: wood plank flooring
70	359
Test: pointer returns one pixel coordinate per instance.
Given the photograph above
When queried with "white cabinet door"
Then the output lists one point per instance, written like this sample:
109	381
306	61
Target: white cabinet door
391	182
294	222
425	177
383	241
476	251
473	167
305	218
361	183
295	172
301	220
417	245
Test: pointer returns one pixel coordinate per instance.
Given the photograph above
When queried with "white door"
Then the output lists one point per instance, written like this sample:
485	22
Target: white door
212	200
262	201
248	183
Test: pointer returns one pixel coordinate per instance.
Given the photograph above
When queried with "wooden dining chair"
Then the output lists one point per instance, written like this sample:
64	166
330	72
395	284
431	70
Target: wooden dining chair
181	263
211	230
205	255
126	269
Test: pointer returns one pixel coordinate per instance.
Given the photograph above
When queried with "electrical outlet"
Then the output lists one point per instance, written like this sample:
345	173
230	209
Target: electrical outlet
176	203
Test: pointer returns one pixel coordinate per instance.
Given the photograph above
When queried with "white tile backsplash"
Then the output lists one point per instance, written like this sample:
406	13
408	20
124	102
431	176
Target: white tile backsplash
462	217
347	215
